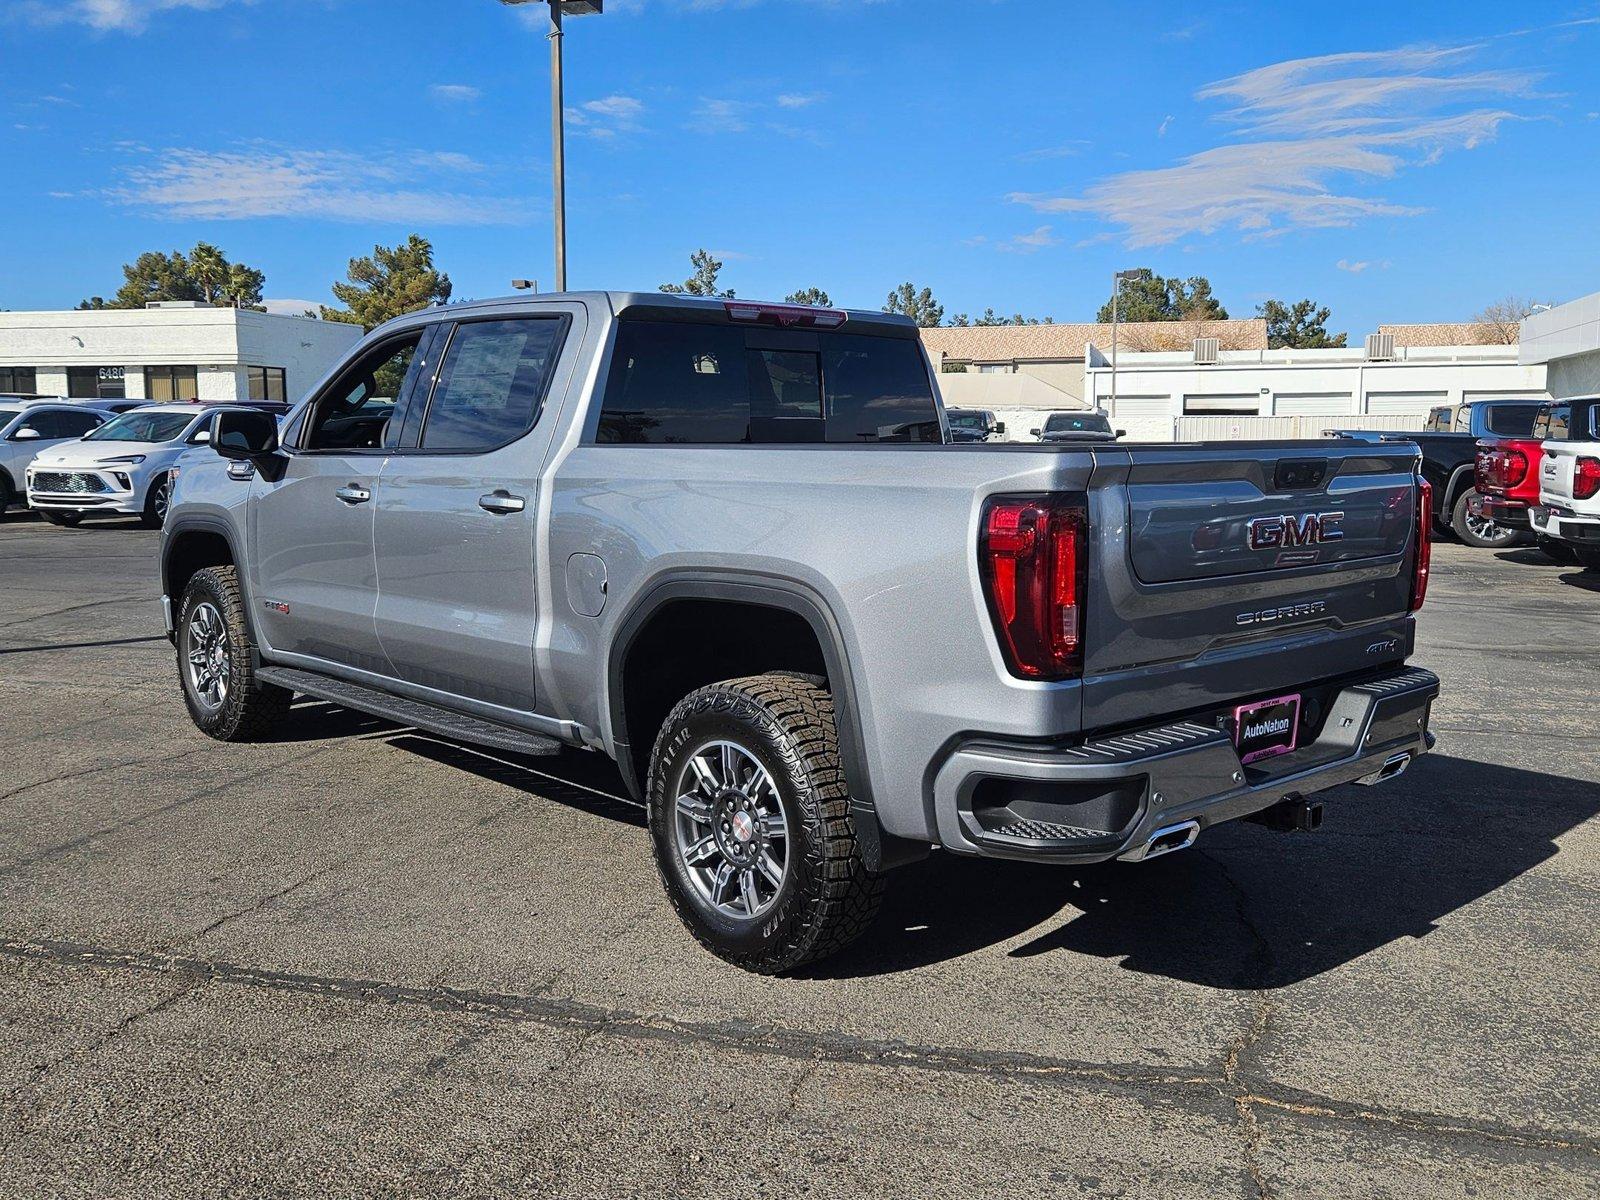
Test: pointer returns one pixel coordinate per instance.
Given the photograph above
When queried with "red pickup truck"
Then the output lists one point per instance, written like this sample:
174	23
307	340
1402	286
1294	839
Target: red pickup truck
1506	480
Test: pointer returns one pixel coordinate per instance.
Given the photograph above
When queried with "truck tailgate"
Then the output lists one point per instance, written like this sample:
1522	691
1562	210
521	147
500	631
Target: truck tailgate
1237	570
1557	469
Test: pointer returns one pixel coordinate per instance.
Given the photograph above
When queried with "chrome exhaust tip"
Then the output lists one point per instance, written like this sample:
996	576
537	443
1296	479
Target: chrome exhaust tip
1393	767
1166	840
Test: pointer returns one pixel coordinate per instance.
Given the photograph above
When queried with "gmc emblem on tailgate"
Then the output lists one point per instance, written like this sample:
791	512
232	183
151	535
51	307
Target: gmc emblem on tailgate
1272	533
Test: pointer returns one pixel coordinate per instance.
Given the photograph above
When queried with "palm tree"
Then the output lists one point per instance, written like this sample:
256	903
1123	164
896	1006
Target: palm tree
209	268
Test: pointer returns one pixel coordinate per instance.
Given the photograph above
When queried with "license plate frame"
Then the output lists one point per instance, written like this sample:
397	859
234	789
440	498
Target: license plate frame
1277	732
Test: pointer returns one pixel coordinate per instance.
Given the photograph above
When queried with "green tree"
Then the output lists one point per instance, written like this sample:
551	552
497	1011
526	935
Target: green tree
1298	326
392	281
920	306
1151	297
704	280
990	317
204	274
814	297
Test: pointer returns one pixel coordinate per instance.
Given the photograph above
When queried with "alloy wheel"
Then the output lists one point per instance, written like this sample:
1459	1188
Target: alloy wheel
732	831
1486	530
206	647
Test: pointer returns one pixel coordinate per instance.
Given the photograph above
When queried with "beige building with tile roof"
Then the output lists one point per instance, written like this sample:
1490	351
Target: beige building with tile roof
1461	333
1055	354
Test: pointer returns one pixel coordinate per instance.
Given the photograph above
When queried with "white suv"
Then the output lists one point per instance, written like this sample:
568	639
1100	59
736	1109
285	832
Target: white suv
28	426
1569	484
124	466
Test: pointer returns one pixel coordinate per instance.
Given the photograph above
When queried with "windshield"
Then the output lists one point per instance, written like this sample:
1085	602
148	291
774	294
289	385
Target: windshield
7	411
142	427
1077	423
967	420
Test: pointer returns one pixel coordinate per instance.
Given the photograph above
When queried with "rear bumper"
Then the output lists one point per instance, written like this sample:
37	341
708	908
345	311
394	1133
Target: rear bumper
1106	799
1513	514
1556	523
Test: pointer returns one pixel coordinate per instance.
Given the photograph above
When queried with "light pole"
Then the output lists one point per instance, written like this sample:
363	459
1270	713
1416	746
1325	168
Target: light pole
558	147
1117	280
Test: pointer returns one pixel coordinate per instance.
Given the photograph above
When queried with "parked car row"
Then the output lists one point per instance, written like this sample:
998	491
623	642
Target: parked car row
1509	470
68	459
979	425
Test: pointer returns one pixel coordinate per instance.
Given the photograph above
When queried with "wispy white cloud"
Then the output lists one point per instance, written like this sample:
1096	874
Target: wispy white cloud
1355	268
713	115
1316	128
1166	124
454	93
265	181
122	16
1044	153
607	117
1030	243
800	99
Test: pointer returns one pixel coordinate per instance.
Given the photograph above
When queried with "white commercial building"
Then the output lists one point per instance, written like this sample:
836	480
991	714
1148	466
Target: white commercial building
1565	340
173	351
1208	393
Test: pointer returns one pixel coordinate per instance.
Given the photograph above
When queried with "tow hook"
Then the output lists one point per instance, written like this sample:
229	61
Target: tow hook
1292	814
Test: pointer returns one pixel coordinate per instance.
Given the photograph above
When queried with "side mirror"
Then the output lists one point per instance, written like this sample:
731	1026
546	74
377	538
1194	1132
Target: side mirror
1000	428
1033	433
1122	433
202	435
26	434
244	435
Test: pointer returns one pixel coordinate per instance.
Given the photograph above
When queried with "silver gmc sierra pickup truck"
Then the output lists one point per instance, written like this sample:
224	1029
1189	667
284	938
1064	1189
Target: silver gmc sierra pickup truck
732	547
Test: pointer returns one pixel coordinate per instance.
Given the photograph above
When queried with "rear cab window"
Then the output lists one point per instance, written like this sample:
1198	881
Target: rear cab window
1511	420
684	383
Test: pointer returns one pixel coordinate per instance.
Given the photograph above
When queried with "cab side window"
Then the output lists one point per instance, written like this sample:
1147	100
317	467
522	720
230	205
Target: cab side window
353	413
491	383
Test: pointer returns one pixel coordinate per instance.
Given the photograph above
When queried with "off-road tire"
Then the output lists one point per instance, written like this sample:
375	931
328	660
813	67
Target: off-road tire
1556	550
1458	522
150	518
1588	557
828	898
251	708
67	520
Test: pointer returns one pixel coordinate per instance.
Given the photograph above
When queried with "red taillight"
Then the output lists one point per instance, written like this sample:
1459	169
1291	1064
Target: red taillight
1424	531
1034	557
1500	468
1586	479
786	315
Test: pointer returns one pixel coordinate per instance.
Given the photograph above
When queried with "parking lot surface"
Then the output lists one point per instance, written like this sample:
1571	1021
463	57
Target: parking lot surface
361	960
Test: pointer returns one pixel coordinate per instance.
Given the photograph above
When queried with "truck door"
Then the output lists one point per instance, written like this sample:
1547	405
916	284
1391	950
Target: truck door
315	580
457	520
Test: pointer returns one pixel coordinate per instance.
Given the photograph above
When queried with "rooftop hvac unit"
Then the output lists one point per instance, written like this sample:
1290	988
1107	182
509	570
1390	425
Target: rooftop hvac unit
1207	351
1380	347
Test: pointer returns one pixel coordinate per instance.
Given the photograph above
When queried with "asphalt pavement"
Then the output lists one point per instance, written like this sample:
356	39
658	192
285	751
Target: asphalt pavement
360	960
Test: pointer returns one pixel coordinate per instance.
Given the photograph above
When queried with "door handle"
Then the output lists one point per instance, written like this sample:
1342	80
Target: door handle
502	501
351	494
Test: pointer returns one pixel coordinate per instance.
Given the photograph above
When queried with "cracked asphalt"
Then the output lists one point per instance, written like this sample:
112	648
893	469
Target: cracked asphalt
360	960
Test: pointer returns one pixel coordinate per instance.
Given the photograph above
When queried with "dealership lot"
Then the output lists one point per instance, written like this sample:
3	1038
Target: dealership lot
365	960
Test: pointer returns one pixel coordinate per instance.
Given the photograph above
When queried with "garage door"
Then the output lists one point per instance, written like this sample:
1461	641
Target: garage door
1313	404
1404	402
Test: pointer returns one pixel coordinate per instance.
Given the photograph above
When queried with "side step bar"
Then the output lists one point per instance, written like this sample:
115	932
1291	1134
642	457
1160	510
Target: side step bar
415	713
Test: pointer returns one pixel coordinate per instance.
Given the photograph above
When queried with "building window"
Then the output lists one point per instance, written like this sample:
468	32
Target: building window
268	383
171	383
1222	406
18	379
996	369
103	382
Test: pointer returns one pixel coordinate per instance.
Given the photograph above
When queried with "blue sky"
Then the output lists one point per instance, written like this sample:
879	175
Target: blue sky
1395	161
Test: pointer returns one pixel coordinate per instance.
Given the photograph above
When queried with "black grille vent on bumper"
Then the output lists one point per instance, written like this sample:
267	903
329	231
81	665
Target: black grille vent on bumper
75	482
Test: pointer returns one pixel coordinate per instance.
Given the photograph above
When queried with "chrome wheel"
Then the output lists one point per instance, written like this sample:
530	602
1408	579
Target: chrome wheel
163	499
1483	527
732	832
206	649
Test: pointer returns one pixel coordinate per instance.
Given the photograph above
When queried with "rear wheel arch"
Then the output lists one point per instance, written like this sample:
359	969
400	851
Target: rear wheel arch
809	642
1461	479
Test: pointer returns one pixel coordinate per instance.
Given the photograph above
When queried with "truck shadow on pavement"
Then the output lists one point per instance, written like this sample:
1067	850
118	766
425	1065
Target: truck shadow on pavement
1246	908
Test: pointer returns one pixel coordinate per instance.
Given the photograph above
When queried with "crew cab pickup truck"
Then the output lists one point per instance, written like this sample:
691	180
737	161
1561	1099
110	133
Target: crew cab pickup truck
1449	444
731	546
1569	483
